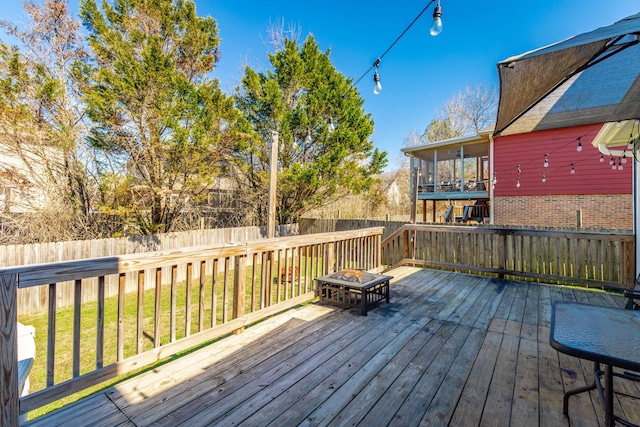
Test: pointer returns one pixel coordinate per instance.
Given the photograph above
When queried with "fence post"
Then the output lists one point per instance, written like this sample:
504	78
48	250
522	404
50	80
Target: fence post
628	261
9	351
239	285
502	254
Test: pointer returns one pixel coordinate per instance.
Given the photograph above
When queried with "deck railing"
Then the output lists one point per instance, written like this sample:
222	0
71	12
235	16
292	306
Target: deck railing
596	259
208	292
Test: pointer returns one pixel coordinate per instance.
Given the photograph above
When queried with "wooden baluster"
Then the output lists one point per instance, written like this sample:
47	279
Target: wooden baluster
9	388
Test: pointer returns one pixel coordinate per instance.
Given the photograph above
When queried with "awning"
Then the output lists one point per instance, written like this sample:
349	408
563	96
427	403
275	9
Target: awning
589	78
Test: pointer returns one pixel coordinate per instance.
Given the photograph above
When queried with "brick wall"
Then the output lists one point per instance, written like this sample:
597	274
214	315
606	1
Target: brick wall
606	211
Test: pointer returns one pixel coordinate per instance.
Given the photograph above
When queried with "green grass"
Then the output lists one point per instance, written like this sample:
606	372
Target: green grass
64	329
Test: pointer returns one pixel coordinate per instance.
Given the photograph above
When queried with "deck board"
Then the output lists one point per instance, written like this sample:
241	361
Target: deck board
448	350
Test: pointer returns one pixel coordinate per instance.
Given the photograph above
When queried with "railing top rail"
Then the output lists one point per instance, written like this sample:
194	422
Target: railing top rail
42	274
485	229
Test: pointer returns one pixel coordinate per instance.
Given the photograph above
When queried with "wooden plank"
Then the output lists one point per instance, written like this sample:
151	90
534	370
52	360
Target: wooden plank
365	401
581	406
516	314
364	364
497	409
261	408
551	390
487	293
529	328
468	412
440	410
220	393
211	407
185	379
524	409
499	320
413	400
497	291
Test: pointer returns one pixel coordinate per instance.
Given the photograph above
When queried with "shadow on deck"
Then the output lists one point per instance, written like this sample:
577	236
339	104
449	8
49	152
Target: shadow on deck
450	349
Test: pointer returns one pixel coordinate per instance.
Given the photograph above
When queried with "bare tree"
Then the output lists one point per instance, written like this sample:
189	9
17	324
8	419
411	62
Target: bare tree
42	124
466	113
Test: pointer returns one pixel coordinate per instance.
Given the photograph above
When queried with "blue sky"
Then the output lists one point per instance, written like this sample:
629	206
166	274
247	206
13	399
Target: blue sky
421	72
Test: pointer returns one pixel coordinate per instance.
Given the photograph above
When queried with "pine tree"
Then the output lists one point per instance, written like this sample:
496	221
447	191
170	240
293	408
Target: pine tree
163	123
324	148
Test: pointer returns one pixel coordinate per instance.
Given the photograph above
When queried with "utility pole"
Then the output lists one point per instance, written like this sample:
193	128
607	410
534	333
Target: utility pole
273	177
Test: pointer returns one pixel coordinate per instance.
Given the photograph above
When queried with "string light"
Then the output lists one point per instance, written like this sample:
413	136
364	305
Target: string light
616	160
377	86
436	28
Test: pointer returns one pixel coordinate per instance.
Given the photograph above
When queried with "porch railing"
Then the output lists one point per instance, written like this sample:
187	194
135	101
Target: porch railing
605	260
211	291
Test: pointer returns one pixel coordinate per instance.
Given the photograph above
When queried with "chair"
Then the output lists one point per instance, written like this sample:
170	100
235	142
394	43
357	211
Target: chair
633	296
465	214
447	215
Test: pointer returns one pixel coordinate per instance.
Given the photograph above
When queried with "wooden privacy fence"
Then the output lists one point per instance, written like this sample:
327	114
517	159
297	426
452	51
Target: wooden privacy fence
34	299
222	300
328	225
586	258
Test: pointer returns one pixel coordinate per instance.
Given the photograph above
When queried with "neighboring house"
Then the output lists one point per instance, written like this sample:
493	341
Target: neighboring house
454	173
24	186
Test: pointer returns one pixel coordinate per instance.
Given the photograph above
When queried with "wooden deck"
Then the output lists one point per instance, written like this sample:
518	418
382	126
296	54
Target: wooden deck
450	349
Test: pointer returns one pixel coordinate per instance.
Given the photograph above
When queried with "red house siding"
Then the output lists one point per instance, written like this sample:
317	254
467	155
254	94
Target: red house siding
602	196
528	150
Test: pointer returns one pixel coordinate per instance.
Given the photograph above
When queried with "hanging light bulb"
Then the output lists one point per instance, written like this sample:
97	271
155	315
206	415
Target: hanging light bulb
436	25
601	158
377	86
518	182
630	143
546	160
544	178
624	157
612	162
579	148
572	169
620	167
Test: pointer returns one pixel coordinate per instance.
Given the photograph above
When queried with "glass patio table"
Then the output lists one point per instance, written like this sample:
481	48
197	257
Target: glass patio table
607	336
